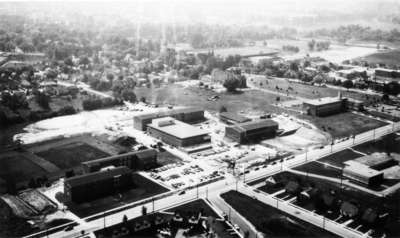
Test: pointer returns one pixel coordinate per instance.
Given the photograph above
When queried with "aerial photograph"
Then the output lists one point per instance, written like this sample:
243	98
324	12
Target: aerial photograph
200	119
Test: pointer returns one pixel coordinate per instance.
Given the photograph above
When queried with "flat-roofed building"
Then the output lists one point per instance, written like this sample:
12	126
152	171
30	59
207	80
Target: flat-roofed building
377	161
324	106
252	131
88	187
387	75
137	160
361	173
188	115
177	133
231	118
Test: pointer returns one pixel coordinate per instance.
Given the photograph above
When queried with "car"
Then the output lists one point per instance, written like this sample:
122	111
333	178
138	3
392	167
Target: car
69	228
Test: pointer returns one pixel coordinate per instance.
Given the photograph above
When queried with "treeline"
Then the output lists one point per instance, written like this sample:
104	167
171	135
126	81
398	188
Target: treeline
290	48
357	32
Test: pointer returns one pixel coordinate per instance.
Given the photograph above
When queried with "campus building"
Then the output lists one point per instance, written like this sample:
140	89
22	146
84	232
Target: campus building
252	131
177	133
361	173
231	118
188	115
387	75
88	187
331	105
137	160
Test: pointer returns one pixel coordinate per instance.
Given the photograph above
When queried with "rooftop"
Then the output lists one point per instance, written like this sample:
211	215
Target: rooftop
168	112
96	176
253	125
176	128
374	159
234	117
323	101
360	169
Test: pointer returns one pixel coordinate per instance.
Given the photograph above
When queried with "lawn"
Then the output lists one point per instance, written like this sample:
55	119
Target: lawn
320	169
19	168
251	100
270	220
388	57
71	155
338	158
143	188
195	207
303	90
355	124
388	143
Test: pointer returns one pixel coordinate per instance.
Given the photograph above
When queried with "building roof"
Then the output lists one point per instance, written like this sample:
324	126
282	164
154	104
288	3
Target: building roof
360	169
323	101
96	176
140	154
234	117
374	159
168	113
253	125
176	128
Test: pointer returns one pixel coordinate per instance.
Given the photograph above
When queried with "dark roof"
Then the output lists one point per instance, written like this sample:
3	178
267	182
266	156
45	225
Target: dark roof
169	113
96	176
234	117
140	154
254	125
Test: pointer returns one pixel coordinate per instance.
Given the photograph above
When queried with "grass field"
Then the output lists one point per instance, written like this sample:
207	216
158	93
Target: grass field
71	155
391	57
355	124
143	188
252	100
338	158
389	143
304	90
271	221
18	169
320	169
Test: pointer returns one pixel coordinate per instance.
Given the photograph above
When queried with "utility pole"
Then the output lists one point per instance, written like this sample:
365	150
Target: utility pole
197	190
206	192
104	220
152	202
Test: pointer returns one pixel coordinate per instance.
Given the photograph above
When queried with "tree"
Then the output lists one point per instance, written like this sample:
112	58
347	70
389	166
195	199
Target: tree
348	84
144	211
392	88
222	109
231	83
311	45
43	100
128	95
143	99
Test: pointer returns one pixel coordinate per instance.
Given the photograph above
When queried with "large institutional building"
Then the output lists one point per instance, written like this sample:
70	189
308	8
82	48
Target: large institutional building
188	115
252	131
177	133
331	105
138	160
88	187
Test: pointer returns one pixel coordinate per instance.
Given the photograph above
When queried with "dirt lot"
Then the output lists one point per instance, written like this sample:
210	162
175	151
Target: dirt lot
144	188
164	158
355	124
248	101
194	207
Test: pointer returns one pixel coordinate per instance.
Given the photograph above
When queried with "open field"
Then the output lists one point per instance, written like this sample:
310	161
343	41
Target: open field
18	168
143	188
389	143
293	89
338	158
391	57
71	155
355	124
316	167
247	101
270	220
